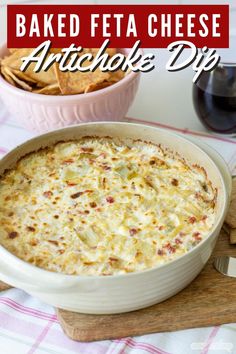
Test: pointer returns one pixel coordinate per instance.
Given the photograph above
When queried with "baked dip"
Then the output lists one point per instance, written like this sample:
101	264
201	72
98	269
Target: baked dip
101	206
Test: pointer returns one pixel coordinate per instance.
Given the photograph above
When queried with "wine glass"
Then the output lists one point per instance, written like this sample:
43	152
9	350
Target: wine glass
214	95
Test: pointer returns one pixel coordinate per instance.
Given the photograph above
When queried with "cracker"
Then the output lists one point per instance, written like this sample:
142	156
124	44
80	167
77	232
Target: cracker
12	50
14	61
231	233
55	50
116	76
231	216
23	76
19	82
7	77
49	90
109	51
53	81
71	83
96	87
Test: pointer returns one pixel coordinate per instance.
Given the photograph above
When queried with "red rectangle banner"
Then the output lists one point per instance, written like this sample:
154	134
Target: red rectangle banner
89	25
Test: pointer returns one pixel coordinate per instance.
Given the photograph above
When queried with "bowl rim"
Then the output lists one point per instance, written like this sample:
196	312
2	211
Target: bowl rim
80	96
56	276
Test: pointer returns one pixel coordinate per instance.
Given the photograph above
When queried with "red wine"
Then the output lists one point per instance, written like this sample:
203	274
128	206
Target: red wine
214	99
217	113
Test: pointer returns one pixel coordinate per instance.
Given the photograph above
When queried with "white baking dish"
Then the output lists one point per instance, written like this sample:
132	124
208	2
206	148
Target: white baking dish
119	293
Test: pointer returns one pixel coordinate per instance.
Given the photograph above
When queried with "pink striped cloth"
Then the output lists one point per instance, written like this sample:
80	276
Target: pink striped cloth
28	326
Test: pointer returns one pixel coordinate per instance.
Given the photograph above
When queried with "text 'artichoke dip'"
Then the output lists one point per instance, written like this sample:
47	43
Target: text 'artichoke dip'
99	206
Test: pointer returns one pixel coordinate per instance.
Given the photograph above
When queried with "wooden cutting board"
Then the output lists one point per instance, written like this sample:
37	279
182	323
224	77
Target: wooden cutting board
208	301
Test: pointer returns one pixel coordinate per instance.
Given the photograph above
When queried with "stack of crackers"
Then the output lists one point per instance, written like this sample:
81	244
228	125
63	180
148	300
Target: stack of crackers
53	81
230	221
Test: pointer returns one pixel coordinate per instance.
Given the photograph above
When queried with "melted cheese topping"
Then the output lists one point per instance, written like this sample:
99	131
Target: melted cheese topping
97	206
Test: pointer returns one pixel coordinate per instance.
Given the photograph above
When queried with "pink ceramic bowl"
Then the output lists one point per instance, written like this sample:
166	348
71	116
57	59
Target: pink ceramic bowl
42	113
